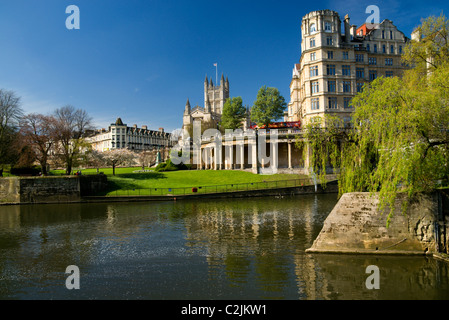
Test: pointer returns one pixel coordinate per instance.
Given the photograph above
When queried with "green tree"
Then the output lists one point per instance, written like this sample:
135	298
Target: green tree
268	107
234	113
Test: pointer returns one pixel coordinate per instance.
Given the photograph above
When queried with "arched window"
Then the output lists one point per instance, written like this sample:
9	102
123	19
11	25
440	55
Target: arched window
312	28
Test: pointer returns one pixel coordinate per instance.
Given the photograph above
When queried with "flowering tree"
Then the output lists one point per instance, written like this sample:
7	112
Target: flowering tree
117	157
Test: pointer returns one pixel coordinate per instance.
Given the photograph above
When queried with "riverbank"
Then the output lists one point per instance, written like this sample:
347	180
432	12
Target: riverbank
85	189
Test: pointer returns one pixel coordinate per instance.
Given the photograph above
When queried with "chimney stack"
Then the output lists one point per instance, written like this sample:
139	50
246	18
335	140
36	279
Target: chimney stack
347	29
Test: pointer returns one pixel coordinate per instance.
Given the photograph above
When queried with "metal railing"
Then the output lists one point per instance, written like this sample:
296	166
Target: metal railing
236	187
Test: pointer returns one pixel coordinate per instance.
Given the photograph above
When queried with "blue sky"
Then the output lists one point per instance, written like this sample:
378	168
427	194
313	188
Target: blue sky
141	60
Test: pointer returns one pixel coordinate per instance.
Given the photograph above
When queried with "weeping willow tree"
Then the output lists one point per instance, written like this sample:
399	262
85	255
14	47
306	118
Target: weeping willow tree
399	136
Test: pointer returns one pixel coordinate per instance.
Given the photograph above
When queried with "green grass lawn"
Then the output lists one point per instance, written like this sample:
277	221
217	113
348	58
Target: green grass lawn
129	182
182	182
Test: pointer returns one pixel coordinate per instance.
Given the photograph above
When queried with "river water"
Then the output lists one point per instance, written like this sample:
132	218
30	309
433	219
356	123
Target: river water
196	250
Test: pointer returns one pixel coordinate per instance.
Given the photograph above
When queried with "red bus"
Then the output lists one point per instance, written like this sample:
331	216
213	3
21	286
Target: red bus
279	125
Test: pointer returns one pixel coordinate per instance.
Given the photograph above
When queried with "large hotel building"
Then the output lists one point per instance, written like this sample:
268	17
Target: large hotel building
336	64
120	136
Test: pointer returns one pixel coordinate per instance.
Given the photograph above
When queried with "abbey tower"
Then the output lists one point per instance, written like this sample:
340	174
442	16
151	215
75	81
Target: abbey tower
215	97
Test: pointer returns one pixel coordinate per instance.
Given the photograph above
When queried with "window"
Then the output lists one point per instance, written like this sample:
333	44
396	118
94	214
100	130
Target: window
360	86
346	102
346	86
360	73
330	54
332	103
346	70
392	49
331	86
384	49
368	48
315	104
331	70
372	61
345	55
389	74
375	48
315	87
330	41
372	75
312	28
383	34
389	62
312	42
328	26
359	57
400	49
391	35
313	56
313	71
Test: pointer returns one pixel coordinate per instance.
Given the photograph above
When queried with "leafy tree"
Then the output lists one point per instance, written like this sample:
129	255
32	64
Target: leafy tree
269	106
234	113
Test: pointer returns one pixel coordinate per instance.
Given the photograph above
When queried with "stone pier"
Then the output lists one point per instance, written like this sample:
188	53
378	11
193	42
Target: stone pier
356	226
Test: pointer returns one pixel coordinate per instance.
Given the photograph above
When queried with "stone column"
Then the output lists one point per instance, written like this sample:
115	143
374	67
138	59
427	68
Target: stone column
216	154
231	156
253	145
242	155
274	156
289	155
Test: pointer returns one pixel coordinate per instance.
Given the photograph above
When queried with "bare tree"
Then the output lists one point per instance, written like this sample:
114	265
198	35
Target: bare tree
10	113
117	157
38	132
71	124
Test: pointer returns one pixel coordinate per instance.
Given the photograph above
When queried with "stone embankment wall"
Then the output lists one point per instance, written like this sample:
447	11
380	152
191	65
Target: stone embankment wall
9	190
49	189
355	225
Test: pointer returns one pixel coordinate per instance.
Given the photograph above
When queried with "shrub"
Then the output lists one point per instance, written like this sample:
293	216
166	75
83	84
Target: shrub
170	166
26	171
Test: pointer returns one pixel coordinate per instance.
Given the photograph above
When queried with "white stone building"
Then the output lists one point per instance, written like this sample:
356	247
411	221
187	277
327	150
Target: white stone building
337	60
120	136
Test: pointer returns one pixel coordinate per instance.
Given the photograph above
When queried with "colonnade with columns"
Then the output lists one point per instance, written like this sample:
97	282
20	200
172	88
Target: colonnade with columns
251	155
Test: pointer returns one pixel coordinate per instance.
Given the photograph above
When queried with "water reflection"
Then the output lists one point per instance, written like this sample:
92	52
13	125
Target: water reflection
214	249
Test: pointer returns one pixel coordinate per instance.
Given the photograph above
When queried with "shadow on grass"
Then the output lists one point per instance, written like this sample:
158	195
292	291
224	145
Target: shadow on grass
142	176
129	184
